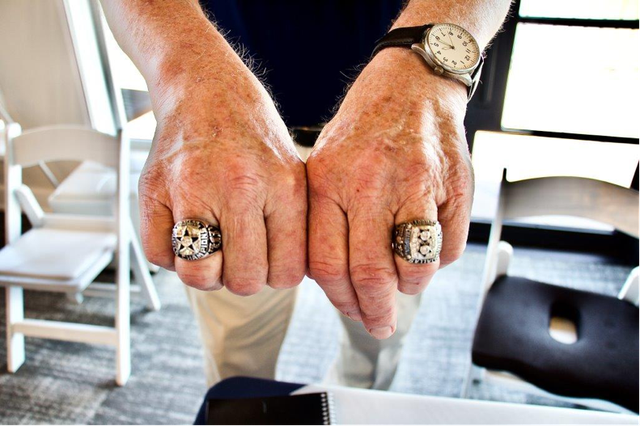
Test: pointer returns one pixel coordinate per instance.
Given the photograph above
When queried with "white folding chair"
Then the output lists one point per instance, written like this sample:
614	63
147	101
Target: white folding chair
65	253
73	83
557	196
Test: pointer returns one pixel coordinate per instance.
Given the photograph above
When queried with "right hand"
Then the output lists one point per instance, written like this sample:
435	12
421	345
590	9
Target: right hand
222	154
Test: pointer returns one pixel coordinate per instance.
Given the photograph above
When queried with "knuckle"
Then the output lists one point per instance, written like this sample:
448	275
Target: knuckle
460	177
198	280
367	179
156	256
411	287
243	286
372	276
155	252
416	273
241	183
286	278
347	308
452	254
379	314
151	183
328	273
320	178
291	188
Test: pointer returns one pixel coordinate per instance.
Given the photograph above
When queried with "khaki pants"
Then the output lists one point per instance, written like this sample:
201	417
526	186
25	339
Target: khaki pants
243	336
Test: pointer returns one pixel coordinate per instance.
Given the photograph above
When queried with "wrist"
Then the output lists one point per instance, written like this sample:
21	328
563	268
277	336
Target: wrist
210	75
397	97
400	78
409	69
199	56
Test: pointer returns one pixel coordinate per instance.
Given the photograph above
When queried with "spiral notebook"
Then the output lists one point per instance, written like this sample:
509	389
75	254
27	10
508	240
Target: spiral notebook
305	409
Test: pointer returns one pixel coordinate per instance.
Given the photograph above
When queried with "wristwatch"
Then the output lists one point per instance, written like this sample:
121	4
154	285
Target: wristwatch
448	49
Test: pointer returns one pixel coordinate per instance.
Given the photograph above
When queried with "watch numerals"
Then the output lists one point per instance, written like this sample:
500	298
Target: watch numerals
453	47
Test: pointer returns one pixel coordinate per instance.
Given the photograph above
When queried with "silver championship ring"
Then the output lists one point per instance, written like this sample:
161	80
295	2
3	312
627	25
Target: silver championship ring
418	241
193	239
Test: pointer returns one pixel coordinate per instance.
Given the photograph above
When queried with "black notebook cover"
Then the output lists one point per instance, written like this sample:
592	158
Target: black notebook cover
306	409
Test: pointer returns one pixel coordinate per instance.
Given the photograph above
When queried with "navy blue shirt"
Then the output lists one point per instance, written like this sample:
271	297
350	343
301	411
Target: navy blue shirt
311	50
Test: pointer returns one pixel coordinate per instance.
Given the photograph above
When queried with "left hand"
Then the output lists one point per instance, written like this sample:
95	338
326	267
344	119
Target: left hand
394	152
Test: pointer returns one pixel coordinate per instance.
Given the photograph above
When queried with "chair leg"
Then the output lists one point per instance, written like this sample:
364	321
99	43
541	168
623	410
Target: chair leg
630	291
15	341
142	276
474	373
505	253
75	297
123	323
466	384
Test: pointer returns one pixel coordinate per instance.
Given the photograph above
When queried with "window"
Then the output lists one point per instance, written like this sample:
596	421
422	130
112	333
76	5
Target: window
580	9
562	98
134	89
570	79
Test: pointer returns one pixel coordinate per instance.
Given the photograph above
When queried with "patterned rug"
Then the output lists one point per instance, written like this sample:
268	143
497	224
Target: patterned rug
69	383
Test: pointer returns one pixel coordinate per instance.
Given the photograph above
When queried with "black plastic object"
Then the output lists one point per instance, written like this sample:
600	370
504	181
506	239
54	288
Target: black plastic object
513	336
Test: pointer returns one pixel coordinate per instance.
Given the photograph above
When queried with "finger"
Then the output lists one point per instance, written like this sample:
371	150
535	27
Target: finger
203	274
244	247
286	223
454	216
156	223
413	278
371	267
329	254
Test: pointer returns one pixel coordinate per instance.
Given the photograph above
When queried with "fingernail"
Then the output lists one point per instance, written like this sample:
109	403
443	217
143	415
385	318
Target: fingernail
355	315
381	332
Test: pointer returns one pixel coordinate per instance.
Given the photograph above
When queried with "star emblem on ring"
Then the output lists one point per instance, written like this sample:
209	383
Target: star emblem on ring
193	239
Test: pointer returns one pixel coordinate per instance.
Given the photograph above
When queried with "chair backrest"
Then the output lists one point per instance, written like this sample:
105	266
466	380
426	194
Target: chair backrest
571	196
55	71
559	196
58	143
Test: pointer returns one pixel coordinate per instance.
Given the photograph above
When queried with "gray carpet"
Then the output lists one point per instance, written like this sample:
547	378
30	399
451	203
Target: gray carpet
73	383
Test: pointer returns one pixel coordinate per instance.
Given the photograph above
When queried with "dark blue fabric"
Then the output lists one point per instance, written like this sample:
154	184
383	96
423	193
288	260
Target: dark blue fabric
244	387
310	49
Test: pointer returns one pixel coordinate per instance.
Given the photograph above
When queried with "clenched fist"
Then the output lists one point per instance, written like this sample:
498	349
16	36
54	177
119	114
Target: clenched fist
221	154
395	152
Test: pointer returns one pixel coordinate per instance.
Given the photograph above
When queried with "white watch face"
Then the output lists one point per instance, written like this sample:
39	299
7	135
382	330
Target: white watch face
453	47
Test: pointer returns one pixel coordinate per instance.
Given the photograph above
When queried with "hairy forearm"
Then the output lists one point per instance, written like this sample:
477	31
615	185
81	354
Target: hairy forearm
397	71
482	18
171	41
184	59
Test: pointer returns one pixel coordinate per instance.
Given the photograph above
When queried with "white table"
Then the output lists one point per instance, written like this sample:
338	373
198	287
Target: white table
360	406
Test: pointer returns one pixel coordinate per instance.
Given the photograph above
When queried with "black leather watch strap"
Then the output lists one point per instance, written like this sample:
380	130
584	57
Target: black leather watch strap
401	37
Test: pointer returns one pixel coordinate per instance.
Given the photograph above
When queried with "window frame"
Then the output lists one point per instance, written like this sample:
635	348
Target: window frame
485	113
485	109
